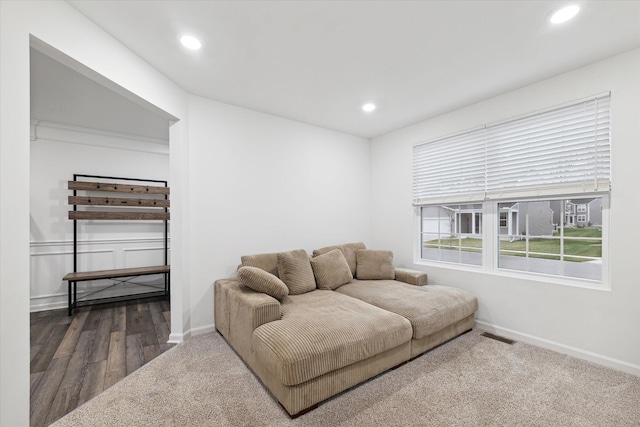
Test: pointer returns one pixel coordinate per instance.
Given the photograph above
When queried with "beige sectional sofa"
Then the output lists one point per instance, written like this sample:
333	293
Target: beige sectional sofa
310	328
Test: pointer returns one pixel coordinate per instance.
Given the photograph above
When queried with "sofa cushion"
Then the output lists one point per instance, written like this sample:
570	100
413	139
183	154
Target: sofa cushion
266	262
331	270
322	331
294	269
262	281
428	308
374	265
347	249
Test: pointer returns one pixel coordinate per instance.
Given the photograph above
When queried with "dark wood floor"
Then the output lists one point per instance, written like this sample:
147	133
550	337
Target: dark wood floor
75	358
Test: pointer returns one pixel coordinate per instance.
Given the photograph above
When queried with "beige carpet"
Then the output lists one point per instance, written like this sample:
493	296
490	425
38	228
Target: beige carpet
470	381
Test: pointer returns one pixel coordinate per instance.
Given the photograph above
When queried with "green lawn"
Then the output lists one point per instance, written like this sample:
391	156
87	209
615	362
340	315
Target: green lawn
469	244
538	247
583	232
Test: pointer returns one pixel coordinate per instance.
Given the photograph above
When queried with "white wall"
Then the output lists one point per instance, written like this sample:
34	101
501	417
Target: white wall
260	183
59	25
59	151
328	171
603	326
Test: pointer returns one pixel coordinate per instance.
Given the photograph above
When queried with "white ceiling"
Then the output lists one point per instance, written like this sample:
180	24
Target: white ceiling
62	95
319	61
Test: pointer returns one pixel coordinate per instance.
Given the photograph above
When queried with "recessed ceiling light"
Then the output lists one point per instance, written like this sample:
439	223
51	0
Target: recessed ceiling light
368	107
564	14
190	42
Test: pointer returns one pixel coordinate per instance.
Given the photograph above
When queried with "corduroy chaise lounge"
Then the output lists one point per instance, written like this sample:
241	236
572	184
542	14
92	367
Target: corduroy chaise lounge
310	328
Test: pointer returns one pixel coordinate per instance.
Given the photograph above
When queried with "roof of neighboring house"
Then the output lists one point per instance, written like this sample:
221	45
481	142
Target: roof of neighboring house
581	201
510	206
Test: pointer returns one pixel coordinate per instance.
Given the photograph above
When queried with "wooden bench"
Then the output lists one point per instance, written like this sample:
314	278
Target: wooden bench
84	276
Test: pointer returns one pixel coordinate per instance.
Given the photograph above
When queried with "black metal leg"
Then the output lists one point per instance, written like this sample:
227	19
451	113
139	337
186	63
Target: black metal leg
69	297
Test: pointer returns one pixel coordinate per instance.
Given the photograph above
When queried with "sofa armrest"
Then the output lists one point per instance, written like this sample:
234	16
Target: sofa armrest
239	310
412	277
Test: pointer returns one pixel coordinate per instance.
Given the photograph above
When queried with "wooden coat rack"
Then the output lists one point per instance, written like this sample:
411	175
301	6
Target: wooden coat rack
148	197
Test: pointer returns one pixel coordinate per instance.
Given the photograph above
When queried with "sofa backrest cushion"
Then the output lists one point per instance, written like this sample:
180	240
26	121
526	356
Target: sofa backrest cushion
374	265
262	281
331	270
294	269
266	262
347	249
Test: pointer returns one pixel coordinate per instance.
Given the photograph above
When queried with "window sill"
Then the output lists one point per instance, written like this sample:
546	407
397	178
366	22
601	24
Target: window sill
514	274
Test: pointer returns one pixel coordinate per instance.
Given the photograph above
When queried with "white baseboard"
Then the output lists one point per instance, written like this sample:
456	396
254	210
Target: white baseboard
48	306
561	348
179	338
202	330
61	300
176	338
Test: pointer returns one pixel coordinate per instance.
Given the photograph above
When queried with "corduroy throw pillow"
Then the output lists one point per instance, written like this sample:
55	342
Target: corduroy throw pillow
374	265
262	281
347	249
294	269
267	262
331	270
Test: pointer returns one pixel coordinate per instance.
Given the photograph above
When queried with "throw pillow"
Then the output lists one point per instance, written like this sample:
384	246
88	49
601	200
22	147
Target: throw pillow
262	281
267	262
347	249
374	265
331	270
294	269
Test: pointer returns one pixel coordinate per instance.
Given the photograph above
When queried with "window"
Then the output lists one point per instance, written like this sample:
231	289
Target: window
542	243
504	217
452	233
537	180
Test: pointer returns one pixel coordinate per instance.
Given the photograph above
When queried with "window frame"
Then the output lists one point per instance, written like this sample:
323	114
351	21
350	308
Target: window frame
490	248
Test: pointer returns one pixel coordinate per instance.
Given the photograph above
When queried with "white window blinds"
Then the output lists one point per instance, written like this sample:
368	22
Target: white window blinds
557	152
451	169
